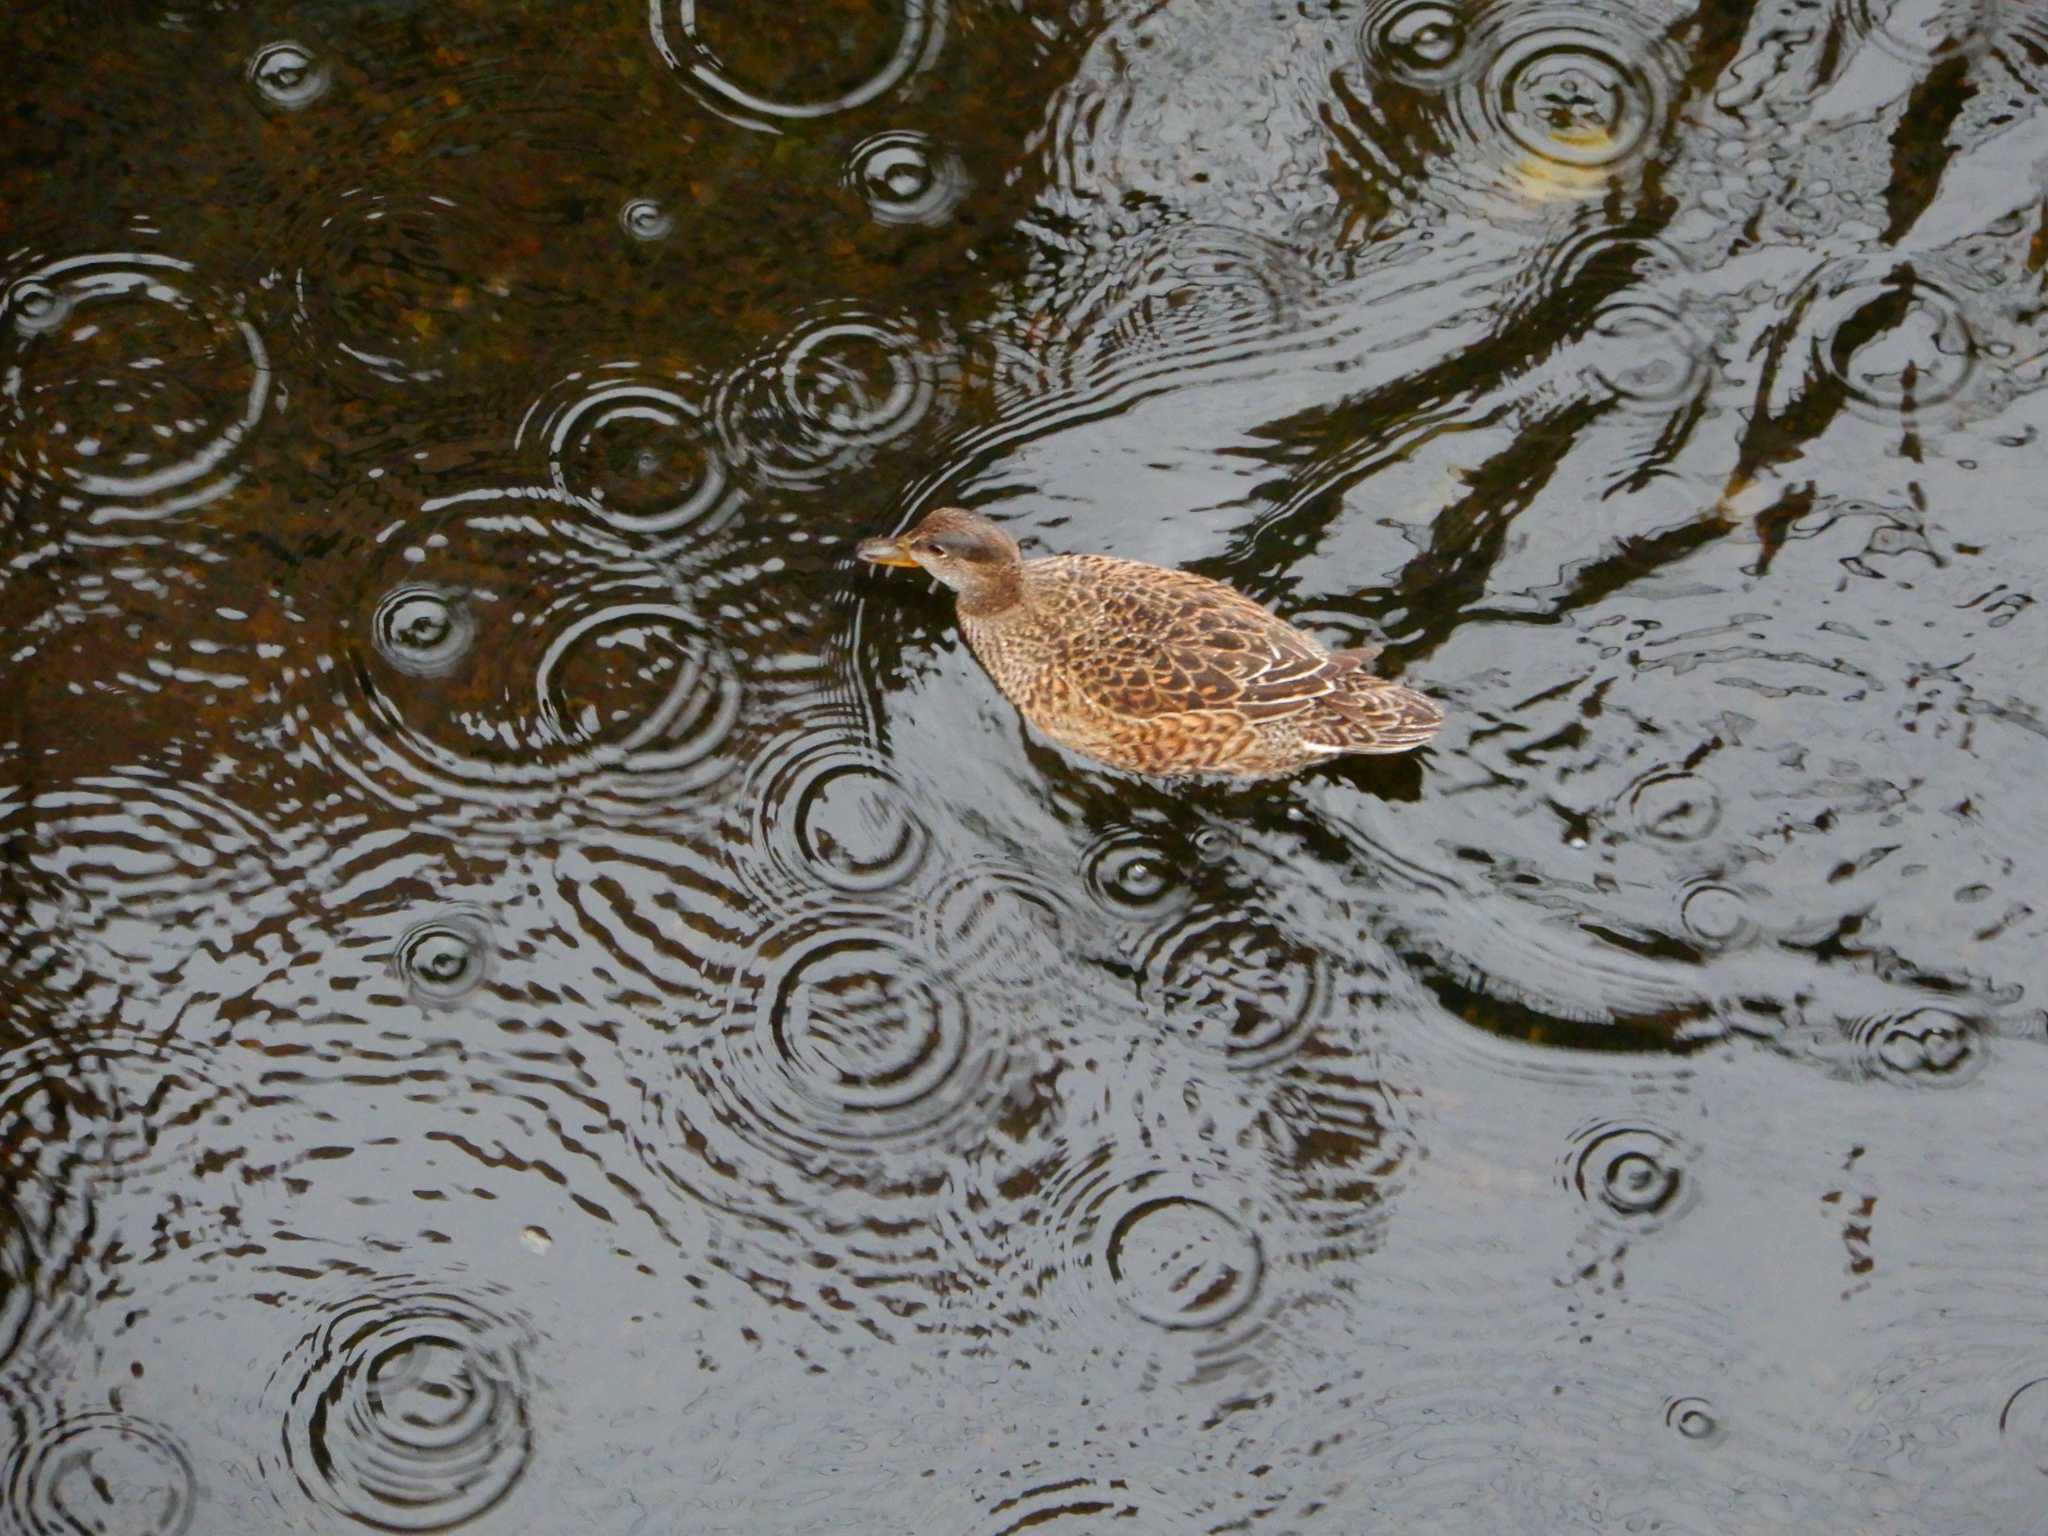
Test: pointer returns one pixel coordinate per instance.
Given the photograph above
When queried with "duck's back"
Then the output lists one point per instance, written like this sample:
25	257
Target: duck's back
1164	671
1138	640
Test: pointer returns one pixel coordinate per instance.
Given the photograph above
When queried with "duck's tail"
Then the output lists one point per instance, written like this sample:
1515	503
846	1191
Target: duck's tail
1372	714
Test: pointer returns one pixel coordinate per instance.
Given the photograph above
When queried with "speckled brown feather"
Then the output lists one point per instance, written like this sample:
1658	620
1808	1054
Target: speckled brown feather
1165	672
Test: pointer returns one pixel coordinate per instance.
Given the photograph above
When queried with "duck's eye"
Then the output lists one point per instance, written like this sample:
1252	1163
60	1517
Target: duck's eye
935	549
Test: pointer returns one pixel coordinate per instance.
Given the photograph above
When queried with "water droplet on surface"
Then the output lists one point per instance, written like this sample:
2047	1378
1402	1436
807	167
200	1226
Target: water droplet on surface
1694	1419
423	631
443	959
1421	43
1631	1175
288	75
1923	1047
907	178
644	219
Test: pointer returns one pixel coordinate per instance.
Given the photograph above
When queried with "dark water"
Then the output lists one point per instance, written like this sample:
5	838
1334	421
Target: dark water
540	997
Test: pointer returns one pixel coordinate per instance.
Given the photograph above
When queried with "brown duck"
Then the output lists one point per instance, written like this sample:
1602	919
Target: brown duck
1155	670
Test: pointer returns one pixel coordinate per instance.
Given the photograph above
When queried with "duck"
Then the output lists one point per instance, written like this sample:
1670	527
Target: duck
1152	670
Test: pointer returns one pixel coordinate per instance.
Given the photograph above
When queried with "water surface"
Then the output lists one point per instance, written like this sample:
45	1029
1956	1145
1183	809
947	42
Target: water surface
541	995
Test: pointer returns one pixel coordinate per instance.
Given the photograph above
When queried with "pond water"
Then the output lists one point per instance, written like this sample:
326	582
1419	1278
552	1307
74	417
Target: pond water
539	994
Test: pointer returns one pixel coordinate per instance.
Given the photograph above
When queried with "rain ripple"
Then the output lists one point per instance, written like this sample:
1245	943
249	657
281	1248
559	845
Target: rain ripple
99	1471
1923	32
377	287
1236	984
828	809
127	387
1919	1047
821	1105
1630	1176
1693	1419
1893	335
1132	876
634	446
442	959
408	1408
142	849
1178	296
842	383
1000	924
1190	1248
500	656
713	65
1539	98
48	1100
841	1042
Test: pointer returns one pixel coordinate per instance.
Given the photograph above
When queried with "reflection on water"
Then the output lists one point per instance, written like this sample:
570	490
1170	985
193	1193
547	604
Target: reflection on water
539	992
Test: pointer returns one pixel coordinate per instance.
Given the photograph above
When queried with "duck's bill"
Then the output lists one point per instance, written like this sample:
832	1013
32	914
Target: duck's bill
883	552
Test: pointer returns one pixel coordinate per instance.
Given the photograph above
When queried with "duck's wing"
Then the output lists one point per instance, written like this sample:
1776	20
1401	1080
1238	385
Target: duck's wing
1142	641
1364	713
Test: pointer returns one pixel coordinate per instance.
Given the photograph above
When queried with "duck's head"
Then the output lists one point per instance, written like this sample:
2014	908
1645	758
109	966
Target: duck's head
963	549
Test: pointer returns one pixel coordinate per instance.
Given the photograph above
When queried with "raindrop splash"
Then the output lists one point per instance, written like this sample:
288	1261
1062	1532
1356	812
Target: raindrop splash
423	631
645	220
906	178
289	76
1693	1419
1920	1048
1420	43
443	959
1632	1176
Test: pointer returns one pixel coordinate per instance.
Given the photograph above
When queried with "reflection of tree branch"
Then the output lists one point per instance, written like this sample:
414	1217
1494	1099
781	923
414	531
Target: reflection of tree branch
1341	444
1920	146
1468	536
1775	438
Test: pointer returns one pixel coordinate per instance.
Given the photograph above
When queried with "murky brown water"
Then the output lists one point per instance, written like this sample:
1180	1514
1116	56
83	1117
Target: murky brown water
539	996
